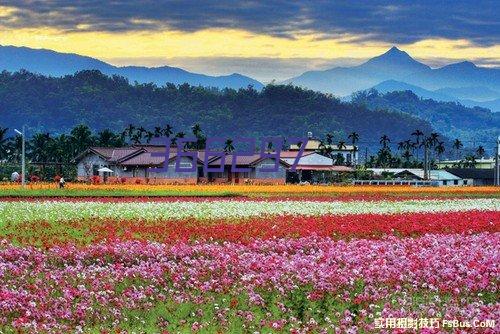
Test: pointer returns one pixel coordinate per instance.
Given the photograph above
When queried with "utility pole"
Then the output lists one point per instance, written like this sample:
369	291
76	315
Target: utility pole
426	162
497	163
23	156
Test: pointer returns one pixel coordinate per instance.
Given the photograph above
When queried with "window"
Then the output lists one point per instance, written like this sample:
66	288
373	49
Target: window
455	182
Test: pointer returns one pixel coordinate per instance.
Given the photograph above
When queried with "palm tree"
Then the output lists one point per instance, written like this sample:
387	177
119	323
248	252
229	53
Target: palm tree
40	147
407	155
129	130
228	146
480	151
158	131
439	148
401	145
354	137
434	138
329	138
4	148
196	129
168	131
417	133
341	145
469	161
457	145
384	140
149	135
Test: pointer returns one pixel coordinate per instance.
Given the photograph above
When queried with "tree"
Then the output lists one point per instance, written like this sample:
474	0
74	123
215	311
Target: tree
418	134
341	145
480	151
107	138
469	161
354	137
457	145
158	131
339	159
4	147
168	130
329	138
384	141
82	138
228	146
439	149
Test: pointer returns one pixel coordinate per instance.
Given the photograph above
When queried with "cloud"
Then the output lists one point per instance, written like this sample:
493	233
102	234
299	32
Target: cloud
385	21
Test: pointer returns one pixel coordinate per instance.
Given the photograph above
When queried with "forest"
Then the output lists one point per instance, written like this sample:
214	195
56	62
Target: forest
56	105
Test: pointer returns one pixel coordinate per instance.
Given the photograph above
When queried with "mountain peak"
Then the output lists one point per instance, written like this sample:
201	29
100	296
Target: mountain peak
394	50
394	60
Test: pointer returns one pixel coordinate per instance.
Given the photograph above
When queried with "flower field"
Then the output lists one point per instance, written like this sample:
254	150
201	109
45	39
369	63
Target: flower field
294	264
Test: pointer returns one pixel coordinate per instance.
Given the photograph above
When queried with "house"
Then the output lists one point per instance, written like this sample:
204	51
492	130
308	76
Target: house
349	152
145	164
136	164
311	167
483	163
415	176
252	170
479	176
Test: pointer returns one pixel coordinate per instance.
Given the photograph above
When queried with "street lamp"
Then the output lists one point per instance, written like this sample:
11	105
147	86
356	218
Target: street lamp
23	168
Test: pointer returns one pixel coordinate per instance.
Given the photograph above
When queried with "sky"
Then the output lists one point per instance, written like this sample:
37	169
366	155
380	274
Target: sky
263	39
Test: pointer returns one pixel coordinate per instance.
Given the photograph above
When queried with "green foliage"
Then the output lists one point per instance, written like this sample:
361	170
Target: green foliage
56	105
448	118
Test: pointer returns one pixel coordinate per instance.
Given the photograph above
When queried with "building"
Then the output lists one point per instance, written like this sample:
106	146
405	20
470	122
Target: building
252	170
134	164
311	167
145	164
483	163
349	152
414	176
479	177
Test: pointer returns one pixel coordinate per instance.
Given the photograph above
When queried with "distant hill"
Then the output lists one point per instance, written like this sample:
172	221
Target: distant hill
57	64
462	81
57	104
476	125
445	94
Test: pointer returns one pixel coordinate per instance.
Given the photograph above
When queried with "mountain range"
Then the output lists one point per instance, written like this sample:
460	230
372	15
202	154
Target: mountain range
51	63
396	70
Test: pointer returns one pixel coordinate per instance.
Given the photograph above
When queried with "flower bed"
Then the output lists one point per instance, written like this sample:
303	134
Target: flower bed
303	284
87	231
11	212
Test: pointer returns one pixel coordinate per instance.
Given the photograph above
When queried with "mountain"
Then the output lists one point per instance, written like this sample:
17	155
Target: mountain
57	64
56	105
394	64
452	119
460	81
458	75
394	86
476	93
493	105
439	95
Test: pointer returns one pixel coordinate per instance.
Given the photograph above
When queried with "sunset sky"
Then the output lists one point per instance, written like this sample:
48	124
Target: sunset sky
266	40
